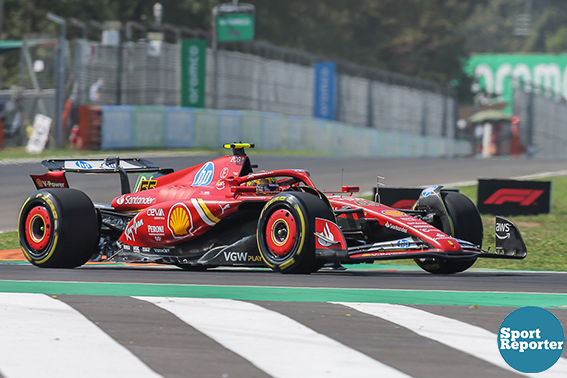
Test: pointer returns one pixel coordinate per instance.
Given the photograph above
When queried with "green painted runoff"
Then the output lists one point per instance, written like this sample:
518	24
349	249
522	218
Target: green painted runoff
290	294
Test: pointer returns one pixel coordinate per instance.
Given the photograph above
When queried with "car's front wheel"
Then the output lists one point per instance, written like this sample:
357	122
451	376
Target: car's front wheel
58	228
286	229
466	225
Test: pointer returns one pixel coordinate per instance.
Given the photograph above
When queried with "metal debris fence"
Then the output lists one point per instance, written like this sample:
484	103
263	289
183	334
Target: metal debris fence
261	77
372	99
542	122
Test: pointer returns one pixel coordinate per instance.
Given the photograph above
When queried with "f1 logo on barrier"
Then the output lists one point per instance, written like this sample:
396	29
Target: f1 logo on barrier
513	197
523	197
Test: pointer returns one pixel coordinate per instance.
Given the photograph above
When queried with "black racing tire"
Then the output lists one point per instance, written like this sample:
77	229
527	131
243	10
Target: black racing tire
286	229
467	225
58	228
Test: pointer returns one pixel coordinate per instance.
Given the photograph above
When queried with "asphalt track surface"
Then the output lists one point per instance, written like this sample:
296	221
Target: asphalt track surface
152	321
121	320
328	173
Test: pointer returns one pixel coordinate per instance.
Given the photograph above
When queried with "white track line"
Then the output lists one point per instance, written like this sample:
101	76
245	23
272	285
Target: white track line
273	342
44	337
464	337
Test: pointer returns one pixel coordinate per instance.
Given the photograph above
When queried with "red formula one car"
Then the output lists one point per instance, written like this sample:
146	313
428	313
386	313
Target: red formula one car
221	213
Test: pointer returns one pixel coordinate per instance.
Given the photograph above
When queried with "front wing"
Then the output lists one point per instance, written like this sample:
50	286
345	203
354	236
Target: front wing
509	245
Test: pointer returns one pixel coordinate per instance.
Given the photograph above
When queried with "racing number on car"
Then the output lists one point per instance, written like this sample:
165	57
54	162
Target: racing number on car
237	159
147	184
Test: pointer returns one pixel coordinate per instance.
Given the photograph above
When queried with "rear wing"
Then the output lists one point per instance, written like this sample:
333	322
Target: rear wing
112	164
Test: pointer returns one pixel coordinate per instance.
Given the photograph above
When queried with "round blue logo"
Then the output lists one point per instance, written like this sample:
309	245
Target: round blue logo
429	191
205	175
83	165
531	339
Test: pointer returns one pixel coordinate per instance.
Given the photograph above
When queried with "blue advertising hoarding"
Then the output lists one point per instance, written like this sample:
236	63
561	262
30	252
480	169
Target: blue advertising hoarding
324	102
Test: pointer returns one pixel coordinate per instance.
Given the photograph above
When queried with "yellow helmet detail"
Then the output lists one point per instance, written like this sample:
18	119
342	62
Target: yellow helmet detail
266	184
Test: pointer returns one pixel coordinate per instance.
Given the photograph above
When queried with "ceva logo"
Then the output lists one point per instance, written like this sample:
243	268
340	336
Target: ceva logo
523	197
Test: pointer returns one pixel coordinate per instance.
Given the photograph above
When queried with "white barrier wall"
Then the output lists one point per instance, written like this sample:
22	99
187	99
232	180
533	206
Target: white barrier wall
125	127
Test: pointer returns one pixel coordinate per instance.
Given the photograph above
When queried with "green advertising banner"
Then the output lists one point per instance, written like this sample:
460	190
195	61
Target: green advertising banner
545	72
234	27
193	72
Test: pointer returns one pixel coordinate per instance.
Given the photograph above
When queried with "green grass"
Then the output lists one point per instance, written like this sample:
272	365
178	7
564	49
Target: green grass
9	240
544	234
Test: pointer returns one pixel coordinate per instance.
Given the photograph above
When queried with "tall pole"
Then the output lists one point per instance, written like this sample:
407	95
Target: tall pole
1	30
215	58
60	87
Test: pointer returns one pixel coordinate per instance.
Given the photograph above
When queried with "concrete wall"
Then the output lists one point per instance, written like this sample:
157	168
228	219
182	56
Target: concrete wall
125	127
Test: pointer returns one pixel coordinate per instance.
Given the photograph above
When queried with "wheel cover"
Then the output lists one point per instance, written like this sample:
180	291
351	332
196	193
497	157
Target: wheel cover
281	232
38	228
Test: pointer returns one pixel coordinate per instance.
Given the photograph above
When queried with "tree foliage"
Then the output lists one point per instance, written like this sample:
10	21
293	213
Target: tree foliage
426	38
491	28
414	37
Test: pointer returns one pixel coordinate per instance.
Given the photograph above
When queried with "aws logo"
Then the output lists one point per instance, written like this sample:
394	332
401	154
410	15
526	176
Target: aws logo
523	197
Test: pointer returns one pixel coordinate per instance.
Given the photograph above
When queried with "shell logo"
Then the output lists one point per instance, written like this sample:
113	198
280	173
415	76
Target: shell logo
179	221
393	213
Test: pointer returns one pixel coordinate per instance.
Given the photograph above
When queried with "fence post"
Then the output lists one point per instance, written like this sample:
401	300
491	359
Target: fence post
120	52
370	105
530	123
60	86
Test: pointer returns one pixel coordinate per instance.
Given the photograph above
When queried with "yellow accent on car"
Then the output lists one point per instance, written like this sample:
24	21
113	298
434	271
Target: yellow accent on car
55	232
302	229
208	212
272	232
238	145
287	263
179	221
279	198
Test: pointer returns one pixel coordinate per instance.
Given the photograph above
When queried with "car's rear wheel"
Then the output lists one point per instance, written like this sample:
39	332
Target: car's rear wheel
467	225
58	228
285	232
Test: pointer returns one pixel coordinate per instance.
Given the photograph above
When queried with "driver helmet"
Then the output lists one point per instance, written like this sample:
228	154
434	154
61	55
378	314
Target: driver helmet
266	184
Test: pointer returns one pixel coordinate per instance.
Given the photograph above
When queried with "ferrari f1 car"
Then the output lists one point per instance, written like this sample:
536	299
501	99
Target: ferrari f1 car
222	213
